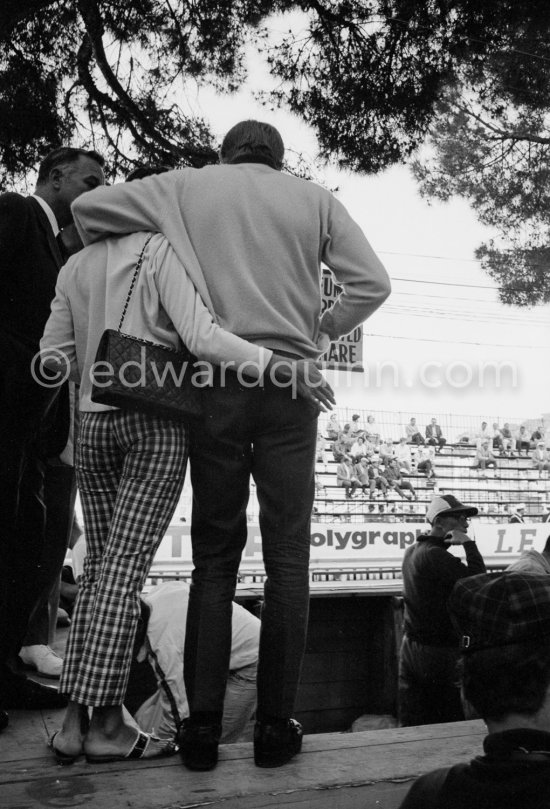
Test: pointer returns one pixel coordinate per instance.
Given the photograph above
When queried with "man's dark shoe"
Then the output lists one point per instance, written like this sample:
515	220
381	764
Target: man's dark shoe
277	743
24	694
199	745
4	719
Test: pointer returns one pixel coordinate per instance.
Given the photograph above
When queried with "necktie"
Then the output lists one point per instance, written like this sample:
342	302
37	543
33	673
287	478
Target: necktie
62	248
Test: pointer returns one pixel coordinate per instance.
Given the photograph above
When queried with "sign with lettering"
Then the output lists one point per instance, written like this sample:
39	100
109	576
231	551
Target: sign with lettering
349	545
347	352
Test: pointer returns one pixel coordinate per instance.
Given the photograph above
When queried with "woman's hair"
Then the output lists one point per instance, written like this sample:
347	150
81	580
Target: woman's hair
255	140
507	679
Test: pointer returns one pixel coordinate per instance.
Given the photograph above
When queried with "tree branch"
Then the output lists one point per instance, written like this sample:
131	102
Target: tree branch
501	134
94	27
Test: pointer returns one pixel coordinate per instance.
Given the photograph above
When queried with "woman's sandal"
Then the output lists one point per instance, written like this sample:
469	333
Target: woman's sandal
60	757
138	750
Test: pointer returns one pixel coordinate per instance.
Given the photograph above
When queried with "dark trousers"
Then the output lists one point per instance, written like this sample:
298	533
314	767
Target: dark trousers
428	692
265	434
59	498
25	558
22	510
435	441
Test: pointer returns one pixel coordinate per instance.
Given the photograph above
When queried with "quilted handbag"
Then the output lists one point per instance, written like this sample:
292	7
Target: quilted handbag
137	374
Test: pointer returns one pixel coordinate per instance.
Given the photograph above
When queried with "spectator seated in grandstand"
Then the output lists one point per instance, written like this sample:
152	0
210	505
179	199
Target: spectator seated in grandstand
386	450
541	458
339	449
498	441
414	436
532	561
334	428
393	475
538	434
484	458
346	477
434	435
371	433
508	440
403	455
357	428
425	461
523	442
482	434
346	438
369	476
360	449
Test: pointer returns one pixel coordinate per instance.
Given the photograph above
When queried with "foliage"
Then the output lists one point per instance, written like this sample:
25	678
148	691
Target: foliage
114	75
467	80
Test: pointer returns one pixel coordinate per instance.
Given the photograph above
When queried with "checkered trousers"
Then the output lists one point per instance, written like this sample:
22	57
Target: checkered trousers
130	470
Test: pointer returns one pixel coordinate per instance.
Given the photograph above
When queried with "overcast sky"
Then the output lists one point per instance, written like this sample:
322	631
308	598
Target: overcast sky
426	348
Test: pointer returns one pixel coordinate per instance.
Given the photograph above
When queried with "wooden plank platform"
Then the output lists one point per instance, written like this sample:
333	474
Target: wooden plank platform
367	770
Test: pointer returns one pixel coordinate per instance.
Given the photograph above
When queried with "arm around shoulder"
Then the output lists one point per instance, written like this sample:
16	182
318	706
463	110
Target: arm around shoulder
121	208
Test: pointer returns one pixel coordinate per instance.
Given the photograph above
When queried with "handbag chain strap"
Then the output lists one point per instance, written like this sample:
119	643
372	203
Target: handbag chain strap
134	279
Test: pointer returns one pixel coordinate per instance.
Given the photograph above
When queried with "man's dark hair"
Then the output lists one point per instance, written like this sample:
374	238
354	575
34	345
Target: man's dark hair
254	141
547	544
63	156
507	679
145	171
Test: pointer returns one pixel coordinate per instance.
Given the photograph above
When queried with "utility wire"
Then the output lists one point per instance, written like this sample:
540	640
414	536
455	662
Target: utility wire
412	338
422	255
443	283
480	317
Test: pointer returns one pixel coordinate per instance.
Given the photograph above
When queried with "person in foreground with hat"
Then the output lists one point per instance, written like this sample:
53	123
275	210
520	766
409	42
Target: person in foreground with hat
427	688
504	622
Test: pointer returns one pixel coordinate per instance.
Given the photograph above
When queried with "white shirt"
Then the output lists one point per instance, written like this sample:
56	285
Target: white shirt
49	213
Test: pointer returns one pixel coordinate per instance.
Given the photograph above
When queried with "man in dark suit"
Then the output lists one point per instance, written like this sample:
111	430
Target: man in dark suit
434	435
34	422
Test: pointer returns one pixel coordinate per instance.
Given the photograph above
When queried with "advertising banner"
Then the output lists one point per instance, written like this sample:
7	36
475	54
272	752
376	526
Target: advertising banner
349	545
347	352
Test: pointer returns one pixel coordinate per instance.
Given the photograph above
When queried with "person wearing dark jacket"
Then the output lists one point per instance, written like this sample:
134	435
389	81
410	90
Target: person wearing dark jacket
505	627
34	428
427	691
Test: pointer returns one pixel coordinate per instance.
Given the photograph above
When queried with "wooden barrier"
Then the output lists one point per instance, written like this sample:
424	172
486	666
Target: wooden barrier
368	770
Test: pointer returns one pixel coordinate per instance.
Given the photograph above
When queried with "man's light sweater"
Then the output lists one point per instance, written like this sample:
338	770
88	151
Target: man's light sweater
252	239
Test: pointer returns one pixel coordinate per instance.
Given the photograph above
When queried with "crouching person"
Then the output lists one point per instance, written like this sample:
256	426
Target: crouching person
504	623
160	640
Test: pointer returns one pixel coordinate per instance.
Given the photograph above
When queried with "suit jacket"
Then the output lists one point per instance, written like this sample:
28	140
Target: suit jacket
433	431
29	262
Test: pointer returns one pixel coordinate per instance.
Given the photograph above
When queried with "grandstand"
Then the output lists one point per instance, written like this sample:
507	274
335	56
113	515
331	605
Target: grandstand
515	481
496	495
357	547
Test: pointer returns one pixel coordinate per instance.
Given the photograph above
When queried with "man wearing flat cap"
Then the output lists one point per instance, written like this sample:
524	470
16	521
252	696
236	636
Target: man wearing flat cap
504	626
427	689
